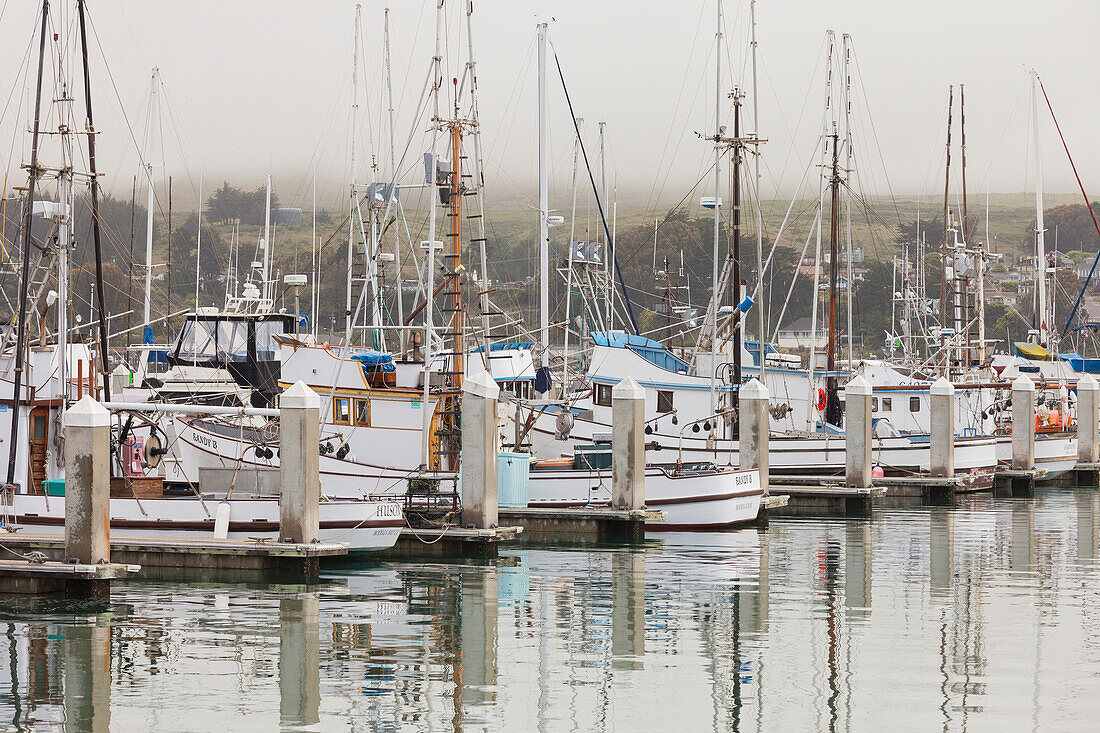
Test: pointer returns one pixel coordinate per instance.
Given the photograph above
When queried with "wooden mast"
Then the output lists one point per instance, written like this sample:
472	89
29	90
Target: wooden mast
28	243
90	129
833	413
735	273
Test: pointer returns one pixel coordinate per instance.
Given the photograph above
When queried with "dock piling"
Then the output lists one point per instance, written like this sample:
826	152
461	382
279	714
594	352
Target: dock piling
857	432
87	429
1088	419
752	400
1023	424
479	451
627	445
942	447
299	464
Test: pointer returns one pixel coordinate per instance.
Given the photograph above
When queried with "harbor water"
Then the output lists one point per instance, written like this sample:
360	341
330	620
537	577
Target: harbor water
981	616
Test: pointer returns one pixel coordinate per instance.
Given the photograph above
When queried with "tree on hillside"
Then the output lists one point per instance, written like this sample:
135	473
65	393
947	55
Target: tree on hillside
230	202
1074	227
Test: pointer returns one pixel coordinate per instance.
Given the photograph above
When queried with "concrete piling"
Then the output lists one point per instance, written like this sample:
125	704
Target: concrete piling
857	432
479	451
627	445
942	439
87	428
755	423
299	464
1088	419
1023	424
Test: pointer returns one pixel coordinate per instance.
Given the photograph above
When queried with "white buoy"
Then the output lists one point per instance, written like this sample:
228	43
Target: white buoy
221	520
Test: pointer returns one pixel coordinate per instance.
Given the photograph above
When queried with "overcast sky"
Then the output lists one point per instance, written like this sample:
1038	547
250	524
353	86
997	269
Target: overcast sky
258	87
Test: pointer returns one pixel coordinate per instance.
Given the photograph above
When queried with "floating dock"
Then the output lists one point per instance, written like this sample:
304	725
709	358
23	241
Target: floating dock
77	580
582	524
831	500
448	542
198	559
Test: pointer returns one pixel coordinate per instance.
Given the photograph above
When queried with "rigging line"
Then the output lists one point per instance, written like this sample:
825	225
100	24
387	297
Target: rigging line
874	133
596	194
1077	175
20	74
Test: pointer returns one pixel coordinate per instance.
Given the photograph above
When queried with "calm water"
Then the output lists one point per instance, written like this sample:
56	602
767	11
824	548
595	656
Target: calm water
981	617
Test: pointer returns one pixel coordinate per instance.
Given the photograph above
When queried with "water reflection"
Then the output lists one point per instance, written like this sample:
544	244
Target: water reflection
972	617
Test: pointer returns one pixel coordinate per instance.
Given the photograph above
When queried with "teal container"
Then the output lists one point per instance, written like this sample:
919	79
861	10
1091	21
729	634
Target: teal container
513	474
54	486
592	457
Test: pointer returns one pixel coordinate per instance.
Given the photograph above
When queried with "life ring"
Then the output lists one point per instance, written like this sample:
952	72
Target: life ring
821	399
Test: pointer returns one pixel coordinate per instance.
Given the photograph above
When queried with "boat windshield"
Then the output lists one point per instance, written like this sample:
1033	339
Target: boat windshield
266	331
196	341
233	340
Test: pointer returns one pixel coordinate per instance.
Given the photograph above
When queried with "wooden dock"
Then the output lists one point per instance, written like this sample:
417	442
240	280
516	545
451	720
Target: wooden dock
829	500
448	542
1084	474
1017	482
582	524
78	580
199	559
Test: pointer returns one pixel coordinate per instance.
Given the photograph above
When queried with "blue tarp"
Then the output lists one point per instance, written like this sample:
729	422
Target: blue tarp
375	361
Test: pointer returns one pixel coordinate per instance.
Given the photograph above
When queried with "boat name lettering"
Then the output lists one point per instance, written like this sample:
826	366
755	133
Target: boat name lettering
204	440
742	479
389	510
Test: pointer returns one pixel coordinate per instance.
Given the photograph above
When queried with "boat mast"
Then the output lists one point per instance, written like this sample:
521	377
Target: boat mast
718	147
433	176
735	275
832	396
943	243
761	325
268	290
354	173
198	249
149	202
847	40
28	243
393	174
101	308
544	198
1040	228
478	178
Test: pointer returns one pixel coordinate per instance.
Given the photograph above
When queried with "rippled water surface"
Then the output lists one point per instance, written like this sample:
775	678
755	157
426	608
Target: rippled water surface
985	616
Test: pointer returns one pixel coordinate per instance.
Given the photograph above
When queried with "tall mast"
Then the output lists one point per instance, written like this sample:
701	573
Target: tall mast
1040	228
943	242
393	175
848	189
90	129
761	325
429	310
268	291
479	176
832	398
608	291
715	295
544	199
354	172
28	242
198	248
735	276
961	294
149	166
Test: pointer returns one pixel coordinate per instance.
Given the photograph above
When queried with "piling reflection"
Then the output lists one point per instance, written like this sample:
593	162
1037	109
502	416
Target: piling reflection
299	660
1088	525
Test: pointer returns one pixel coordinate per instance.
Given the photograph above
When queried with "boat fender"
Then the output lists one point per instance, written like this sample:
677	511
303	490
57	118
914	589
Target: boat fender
221	520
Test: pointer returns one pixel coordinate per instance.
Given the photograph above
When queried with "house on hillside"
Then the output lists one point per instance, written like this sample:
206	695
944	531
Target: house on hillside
798	335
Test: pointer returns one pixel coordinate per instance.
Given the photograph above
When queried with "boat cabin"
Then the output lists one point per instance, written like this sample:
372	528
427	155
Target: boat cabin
244	344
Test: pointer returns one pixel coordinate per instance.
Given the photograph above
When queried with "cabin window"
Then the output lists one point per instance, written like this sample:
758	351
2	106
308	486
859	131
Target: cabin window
266	348
603	395
233	340
914	404
874	404
362	412
197	340
887	404
664	401
38	429
341	411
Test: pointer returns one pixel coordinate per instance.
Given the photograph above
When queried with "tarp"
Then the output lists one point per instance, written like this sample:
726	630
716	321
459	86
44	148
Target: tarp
1032	351
375	361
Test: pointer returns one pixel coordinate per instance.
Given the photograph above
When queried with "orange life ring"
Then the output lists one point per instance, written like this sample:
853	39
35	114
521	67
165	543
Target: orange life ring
821	399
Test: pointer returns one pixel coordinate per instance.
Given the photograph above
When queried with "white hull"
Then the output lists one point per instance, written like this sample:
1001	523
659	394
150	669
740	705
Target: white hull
365	525
1055	453
705	500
